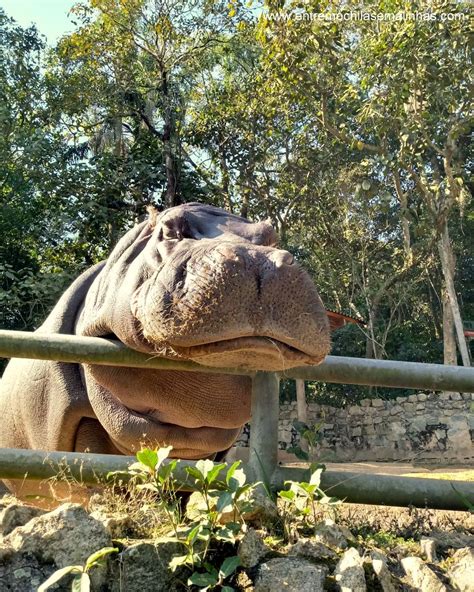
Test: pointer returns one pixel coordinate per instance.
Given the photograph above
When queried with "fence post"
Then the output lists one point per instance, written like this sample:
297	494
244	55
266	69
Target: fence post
264	426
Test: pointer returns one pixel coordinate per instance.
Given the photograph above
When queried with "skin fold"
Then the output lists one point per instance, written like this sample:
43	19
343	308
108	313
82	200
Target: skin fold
193	283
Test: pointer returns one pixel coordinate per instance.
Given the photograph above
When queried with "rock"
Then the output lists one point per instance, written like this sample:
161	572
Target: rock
65	536
116	525
6	499
17	515
386	580
428	549
311	550
290	575
349	572
251	548
421	576
144	567
454	540
23	572
461	573
333	535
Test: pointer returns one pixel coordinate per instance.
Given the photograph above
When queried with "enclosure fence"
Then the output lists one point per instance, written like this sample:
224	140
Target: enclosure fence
263	464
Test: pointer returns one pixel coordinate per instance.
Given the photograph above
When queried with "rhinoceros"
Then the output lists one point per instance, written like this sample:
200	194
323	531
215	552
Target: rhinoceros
192	283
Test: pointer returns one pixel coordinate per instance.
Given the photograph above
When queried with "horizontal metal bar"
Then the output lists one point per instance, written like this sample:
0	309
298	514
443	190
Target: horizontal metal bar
91	350
394	374
386	490
349	486
95	350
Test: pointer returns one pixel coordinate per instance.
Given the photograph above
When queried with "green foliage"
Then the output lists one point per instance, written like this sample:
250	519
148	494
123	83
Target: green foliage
311	435
301	500
353	137
81	581
202	534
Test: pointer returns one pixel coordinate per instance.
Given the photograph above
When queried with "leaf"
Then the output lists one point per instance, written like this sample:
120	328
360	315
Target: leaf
298	452
162	454
225	534
85	582
177	561
98	555
227	589
300	426
231	470
287	495
316	477
58	575
195	473
224	501
235	477
192	534
214	472
148	457
76	585
203	579
204	466
229	566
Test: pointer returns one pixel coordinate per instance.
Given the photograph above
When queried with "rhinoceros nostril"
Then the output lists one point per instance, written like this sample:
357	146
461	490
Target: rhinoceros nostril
280	257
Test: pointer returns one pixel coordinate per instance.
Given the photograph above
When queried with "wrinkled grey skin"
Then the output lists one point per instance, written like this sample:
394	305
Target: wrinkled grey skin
194	283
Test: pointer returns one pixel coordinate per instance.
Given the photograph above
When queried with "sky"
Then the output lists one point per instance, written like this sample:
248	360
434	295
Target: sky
50	16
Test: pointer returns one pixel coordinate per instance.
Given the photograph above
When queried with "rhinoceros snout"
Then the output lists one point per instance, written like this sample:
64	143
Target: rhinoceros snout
240	298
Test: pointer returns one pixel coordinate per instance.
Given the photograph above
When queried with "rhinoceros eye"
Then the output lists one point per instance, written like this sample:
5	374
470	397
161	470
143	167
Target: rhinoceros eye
170	233
176	229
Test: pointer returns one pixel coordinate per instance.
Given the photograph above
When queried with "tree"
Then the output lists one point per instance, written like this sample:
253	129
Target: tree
31	164
395	93
132	65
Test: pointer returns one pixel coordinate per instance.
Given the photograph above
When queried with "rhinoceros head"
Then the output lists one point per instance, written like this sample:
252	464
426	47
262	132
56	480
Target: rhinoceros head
198	283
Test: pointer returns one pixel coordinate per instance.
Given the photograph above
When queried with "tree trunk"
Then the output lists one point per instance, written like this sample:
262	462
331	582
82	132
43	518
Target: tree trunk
434	308
302	407
225	180
402	197
449	339
169	132
371	345
447	265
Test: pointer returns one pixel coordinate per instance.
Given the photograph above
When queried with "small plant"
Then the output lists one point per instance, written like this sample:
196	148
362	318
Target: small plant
300	501
151	473
312	435
200	535
81	581
228	495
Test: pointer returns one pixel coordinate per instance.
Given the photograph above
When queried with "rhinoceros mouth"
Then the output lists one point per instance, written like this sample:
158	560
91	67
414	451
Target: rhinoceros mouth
251	352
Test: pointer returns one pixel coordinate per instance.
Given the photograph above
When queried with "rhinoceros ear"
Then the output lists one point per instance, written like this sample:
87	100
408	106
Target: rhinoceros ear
152	215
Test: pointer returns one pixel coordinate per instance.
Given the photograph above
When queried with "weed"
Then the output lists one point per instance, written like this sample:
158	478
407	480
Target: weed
301	500
81	581
312	435
221	493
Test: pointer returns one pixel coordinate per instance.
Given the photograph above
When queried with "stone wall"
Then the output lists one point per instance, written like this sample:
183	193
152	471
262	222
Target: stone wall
429	428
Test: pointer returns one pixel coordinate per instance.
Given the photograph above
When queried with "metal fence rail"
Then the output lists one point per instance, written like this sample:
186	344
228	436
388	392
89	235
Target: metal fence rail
95	350
354	487
92	469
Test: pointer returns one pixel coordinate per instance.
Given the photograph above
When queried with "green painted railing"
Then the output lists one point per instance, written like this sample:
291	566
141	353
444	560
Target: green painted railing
262	465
